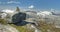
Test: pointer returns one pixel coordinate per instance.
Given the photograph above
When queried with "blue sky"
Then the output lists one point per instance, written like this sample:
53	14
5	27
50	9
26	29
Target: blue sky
36	4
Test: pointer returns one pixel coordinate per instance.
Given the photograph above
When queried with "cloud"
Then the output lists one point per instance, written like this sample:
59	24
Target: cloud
0	2
31	6
10	2
52	9
14	2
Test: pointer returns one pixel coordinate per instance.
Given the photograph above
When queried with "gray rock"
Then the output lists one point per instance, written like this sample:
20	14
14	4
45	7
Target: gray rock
7	28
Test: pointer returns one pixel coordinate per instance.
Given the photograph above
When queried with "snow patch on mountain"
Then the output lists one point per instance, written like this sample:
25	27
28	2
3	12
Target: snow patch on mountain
8	11
44	13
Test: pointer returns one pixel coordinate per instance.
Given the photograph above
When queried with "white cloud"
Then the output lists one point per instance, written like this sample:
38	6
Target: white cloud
31	6
52	9
0	2
10	2
15	2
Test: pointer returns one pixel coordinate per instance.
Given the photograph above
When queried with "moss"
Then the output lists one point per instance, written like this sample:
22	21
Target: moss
23	28
20	28
2	21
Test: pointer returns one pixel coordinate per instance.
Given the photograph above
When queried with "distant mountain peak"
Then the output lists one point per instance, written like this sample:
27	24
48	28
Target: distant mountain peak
8	11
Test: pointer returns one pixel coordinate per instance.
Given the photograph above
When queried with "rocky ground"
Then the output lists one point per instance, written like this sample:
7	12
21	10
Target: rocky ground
7	28
42	26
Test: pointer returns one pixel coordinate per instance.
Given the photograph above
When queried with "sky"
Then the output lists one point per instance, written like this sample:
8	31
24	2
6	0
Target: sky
35	4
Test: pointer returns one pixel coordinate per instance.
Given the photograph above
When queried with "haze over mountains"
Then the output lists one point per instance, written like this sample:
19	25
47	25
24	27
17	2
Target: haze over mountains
41	13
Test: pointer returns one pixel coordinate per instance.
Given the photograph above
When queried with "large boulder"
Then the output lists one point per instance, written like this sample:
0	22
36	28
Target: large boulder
18	17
